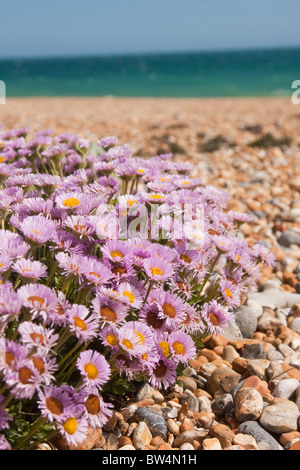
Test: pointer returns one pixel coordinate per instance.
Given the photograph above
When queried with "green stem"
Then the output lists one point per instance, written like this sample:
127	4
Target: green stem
39	423
52	272
65	358
208	276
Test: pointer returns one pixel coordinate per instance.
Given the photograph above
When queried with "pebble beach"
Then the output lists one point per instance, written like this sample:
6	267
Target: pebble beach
242	391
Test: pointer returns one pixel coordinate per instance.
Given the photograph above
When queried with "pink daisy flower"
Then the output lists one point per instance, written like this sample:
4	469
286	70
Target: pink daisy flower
23	379
230	292
163	374
70	200
182	346
130	294
116	250
172	308
110	338
73	265
81	226
157	269
112	312
54	402
39	299
97	273
80	321
96	411
37	229
73	427
30	270
5	263
135	338
94	368
37	336
216	317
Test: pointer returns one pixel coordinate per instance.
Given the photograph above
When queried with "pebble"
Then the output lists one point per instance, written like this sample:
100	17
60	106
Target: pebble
274	298
190	436
246	441
188	383
211	444
248	404
230	354
141	436
246	320
223	433
285	388
264	440
281	417
258	367
222	404
147	392
154	421
288	238
214	381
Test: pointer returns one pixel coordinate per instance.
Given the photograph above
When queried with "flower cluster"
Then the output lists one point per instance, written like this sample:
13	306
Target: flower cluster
112	267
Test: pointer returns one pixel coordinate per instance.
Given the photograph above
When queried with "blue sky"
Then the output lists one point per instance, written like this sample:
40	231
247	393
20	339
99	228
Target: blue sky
38	28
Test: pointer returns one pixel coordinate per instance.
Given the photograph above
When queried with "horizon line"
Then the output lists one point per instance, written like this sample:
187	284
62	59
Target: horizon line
149	53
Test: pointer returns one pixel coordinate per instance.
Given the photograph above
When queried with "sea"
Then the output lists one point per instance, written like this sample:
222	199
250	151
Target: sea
251	73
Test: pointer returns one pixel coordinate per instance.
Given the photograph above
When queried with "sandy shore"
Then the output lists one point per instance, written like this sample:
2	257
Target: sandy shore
142	121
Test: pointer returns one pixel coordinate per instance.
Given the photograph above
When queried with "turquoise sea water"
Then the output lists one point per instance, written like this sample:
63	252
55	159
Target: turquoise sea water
214	74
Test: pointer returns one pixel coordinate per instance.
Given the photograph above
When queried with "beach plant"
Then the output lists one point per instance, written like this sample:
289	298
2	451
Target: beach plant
113	269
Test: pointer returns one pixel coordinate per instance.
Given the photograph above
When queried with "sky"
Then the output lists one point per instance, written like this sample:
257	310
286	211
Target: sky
53	28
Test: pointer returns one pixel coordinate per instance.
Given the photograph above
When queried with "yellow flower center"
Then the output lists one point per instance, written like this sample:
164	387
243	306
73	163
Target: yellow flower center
156	196
228	293
26	270
169	310
164	345
71	202
70	426
178	348
91	370
130	296
140	336
95	275
25	375
35	299
79	228
127	344
92	404
36	337
157	271
185	258
108	314
130	202
112	340
1	265
116	254
54	405
1	159
79	323
214	319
